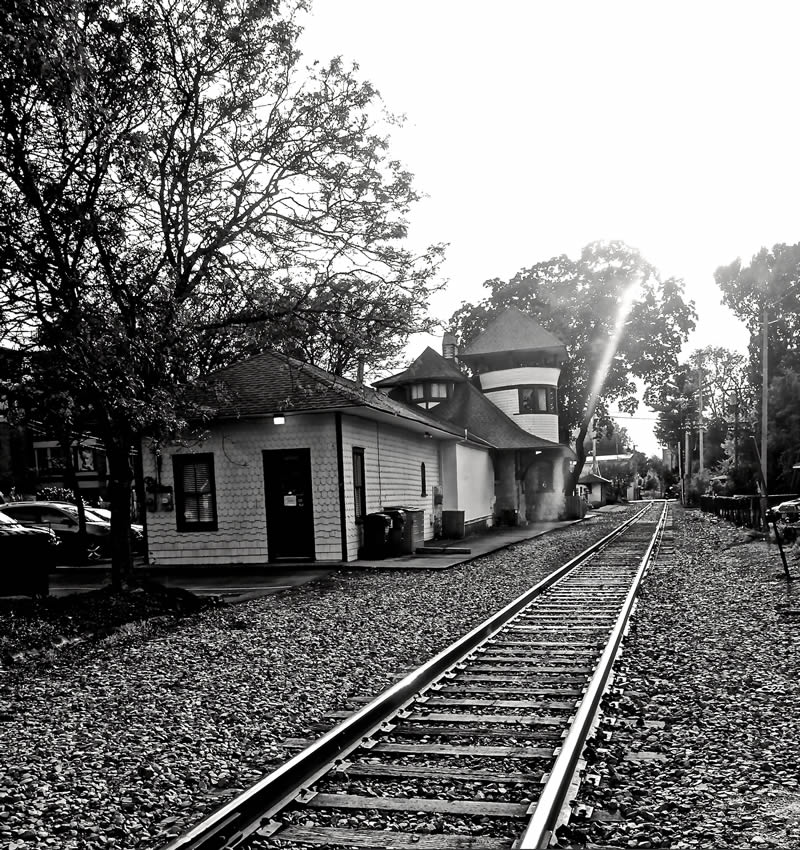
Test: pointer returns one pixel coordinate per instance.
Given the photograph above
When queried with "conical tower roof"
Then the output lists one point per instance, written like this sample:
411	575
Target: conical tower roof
515	331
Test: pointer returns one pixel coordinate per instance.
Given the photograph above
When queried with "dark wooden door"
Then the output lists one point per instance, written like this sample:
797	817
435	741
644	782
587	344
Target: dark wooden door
290	511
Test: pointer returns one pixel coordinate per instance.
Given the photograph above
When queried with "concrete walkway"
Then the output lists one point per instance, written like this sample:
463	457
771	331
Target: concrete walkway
479	544
236	583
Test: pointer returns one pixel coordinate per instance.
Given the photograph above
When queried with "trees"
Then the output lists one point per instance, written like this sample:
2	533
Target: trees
726	408
766	295
174	188
618	319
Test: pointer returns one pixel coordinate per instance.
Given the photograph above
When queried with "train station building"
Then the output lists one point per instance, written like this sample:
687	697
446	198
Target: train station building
294	461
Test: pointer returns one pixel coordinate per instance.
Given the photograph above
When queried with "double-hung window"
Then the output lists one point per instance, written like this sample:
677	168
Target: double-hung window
195	492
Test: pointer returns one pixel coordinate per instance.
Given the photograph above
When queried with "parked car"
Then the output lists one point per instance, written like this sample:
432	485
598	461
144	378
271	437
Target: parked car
62	518
27	555
788	516
137	530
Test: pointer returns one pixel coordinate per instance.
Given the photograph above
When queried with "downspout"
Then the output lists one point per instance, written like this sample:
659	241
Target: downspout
340	470
378	449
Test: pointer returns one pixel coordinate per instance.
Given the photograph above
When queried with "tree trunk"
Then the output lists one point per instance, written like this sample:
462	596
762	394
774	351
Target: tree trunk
71	478
120	488
580	451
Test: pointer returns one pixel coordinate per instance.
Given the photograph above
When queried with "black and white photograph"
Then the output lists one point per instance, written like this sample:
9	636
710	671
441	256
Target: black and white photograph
399	425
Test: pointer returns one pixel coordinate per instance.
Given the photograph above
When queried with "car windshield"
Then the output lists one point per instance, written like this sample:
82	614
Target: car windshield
101	513
95	516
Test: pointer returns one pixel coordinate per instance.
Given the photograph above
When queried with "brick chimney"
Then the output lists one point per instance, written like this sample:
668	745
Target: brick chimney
449	346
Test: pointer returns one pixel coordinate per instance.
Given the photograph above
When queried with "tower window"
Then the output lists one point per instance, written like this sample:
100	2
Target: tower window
538	400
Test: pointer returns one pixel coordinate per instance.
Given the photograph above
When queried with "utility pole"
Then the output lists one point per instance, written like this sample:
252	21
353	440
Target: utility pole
687	466
700	408
764	387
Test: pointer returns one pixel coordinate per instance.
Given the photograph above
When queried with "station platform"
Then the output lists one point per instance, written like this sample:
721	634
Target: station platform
453	551
237	583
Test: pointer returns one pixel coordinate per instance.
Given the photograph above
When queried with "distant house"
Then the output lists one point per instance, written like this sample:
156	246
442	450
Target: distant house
293	459
31	459
596	481
594	488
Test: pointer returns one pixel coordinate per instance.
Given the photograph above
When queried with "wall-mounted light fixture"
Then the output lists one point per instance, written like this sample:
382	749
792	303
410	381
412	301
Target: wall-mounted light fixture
278	419
427	435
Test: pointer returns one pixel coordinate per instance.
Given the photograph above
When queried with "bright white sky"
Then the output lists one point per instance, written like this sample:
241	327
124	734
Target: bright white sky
535	128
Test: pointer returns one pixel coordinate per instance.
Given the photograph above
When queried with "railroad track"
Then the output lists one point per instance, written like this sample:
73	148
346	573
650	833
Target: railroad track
479	749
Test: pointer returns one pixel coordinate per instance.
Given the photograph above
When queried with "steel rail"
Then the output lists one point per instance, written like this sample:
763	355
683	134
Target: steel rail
228	826
554	795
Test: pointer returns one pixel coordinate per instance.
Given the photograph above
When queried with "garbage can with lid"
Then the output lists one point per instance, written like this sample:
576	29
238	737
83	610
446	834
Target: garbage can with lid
395	543
412	532
376	535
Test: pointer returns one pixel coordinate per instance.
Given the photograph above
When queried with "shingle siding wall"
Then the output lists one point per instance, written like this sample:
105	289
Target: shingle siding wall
241	536
501	388
544	425
392	459
520	377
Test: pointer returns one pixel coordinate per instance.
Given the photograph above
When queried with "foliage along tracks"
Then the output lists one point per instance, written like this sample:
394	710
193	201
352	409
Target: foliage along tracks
454	755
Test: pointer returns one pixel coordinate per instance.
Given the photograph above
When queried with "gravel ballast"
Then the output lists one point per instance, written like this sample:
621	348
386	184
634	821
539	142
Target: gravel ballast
124	741
705	750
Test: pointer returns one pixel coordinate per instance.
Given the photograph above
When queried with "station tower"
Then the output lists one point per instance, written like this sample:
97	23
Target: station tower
518	365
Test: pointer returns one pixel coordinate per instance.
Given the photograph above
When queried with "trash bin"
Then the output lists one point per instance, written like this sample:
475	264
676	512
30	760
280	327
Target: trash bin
394	544
412	531
376	535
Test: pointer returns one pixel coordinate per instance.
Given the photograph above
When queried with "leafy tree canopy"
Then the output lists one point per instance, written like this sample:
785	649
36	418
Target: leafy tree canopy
175	188
768	287
768	290
579	302
611	439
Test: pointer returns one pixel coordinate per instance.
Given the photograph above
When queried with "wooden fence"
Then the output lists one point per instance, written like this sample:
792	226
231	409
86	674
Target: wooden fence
741	510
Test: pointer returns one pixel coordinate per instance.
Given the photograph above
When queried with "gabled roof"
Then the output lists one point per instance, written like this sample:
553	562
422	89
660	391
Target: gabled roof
471	410
513	330
272	383
429	366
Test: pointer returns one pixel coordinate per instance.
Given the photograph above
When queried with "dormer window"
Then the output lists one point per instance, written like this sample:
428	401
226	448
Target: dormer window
429	391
